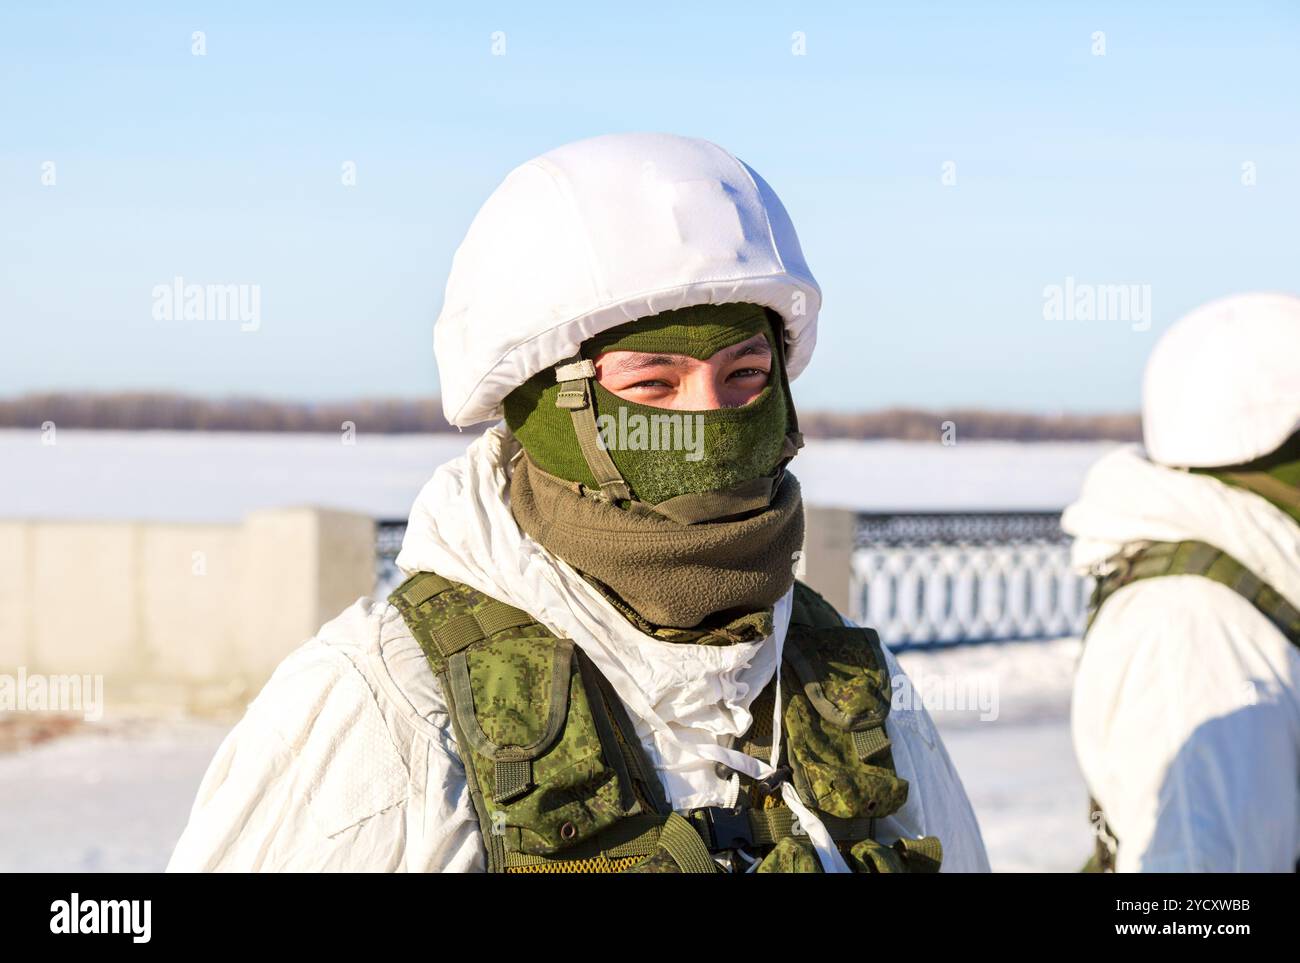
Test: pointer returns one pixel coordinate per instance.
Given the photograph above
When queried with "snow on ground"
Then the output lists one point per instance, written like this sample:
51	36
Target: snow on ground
114	796
1016	761
913	476
217	476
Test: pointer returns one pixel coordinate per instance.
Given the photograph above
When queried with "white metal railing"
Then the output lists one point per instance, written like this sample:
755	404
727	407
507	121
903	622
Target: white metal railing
946	578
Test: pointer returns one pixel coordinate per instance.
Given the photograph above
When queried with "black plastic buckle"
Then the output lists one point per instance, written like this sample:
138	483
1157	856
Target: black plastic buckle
723	828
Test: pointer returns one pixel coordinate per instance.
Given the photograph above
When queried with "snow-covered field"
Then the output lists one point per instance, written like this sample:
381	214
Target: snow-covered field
115	795
192	476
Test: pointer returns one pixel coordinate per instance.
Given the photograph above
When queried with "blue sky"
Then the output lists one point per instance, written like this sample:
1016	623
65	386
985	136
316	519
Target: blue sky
1125	168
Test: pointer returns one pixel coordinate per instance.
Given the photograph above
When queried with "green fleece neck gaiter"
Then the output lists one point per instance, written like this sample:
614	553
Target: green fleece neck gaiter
670	576
1275	477
663	453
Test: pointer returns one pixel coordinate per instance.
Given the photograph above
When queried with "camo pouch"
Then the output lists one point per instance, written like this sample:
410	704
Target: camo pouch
923	855
838	748
538	750
791	855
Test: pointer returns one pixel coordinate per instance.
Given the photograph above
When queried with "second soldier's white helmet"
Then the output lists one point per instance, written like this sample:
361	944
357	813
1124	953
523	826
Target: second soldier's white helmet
1222	386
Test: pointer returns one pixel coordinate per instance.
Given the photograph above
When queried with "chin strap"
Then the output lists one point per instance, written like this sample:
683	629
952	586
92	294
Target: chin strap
574	377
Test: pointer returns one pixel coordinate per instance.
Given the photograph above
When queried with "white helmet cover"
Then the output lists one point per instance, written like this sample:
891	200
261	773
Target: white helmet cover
1222	386
603	231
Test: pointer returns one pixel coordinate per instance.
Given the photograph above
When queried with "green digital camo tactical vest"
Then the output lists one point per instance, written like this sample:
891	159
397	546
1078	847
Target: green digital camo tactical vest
560	781
1156	559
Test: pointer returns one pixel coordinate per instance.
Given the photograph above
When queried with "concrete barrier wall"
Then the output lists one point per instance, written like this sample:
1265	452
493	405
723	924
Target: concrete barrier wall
827	562
173	616
195	618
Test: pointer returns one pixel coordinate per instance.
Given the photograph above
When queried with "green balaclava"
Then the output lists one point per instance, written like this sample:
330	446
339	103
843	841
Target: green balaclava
660	453
1275	477
686	520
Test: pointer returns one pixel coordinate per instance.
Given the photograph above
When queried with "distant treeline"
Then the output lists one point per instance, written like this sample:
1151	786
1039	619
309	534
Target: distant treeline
968	424
174	412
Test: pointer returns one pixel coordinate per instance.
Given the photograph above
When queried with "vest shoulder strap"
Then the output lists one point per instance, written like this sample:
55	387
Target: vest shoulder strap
1156	559
553	767
447	617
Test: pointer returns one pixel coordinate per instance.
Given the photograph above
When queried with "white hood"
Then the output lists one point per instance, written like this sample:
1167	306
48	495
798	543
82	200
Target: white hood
601	232
1128	498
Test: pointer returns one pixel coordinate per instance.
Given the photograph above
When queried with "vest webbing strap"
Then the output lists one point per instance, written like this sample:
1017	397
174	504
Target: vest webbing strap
420	588
679	840
1157	559
462	631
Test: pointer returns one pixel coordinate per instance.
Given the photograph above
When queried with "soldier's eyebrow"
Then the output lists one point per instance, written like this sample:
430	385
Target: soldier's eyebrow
639	362
758	347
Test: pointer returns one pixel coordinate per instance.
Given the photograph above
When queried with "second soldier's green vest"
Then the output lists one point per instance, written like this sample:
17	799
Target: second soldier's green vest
561	783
